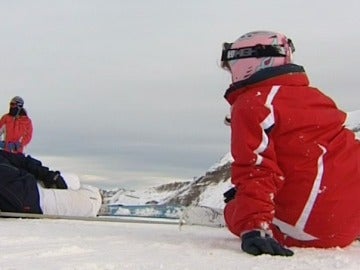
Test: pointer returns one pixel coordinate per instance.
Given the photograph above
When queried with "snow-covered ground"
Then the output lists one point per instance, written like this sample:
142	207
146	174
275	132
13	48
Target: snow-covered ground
61	244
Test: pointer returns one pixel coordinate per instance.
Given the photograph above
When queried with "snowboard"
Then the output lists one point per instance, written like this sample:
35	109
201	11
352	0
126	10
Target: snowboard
204	216
151	214
190	215
147	210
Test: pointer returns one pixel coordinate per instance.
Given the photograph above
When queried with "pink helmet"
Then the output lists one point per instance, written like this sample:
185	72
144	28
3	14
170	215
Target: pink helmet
255	51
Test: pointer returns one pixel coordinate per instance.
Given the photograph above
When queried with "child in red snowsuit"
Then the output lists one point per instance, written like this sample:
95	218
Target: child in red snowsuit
296	167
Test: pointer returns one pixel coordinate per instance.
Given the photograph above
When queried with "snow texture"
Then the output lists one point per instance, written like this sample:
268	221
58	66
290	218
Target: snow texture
61	244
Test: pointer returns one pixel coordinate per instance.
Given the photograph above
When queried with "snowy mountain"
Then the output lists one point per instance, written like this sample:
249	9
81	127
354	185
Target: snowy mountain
205	190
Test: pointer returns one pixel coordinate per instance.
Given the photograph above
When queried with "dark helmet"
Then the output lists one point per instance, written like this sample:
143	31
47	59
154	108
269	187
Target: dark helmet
17	101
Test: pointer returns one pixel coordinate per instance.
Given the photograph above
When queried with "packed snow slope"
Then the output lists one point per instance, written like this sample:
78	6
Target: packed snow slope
83	245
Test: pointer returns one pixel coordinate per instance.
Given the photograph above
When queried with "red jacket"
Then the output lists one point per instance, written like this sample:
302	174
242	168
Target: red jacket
16	129
295	164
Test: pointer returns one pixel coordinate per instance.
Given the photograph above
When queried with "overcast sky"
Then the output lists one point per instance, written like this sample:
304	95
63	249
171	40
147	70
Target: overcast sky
129	93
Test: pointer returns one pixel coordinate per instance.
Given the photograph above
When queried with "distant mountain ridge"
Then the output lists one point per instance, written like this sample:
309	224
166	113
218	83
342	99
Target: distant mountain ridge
205	190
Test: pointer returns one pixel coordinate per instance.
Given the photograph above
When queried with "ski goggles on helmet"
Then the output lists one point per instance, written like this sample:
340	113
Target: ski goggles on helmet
257	51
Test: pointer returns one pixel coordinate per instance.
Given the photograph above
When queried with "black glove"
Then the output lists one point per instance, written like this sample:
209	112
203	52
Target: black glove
256	244
55	180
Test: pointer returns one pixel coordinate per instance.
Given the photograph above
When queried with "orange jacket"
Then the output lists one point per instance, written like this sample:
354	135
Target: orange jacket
16	129
295	164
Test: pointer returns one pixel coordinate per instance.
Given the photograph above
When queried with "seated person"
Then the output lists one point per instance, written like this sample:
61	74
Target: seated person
26	186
